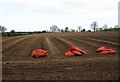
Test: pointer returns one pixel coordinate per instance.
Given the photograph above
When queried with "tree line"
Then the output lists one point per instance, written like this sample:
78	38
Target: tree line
94	26
54	28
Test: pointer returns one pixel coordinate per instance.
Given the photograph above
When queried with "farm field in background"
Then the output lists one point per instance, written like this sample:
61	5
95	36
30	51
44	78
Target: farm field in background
19	65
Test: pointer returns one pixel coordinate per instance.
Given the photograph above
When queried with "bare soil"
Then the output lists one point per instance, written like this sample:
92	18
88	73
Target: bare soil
17	63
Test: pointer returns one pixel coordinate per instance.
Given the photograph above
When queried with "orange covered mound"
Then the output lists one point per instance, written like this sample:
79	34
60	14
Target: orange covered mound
103	50
39	53
83	52
69	53
75	51
100	49
110	51
74	48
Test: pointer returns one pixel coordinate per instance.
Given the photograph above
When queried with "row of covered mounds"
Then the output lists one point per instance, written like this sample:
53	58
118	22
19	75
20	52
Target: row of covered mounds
75	51
39	53
104	50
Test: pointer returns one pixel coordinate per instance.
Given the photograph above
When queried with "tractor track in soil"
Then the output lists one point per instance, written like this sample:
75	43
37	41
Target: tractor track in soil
21	66
12	43
114	40
68	43
22	49
94	43
90	48
104	41
9	39
113	37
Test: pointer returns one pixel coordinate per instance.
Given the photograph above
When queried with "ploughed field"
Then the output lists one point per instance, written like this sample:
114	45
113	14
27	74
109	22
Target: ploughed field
17	63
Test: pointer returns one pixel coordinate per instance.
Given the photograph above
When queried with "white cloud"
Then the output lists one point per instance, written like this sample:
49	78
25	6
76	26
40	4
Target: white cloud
60	12
65	6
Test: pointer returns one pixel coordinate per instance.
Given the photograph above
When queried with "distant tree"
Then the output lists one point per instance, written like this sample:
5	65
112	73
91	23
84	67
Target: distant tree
100	29
94	25
110	27
97	29
83	30
12	33
79	28
105	26
62	30
58	30
47	31
66	29
2	29
44	31
72	30
76	30
89	30
54	28
116	26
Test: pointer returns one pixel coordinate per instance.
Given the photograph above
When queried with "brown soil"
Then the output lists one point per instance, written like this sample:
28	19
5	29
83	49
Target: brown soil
19	65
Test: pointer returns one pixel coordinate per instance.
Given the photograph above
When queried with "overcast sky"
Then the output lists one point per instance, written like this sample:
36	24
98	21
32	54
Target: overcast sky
33	15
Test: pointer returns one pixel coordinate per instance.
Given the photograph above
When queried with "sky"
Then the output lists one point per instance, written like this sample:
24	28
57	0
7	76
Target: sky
38	15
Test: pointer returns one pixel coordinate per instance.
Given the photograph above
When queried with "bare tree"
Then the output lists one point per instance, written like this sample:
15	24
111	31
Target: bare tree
116	26
94	25
105	26
2	29
54	28
79	28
